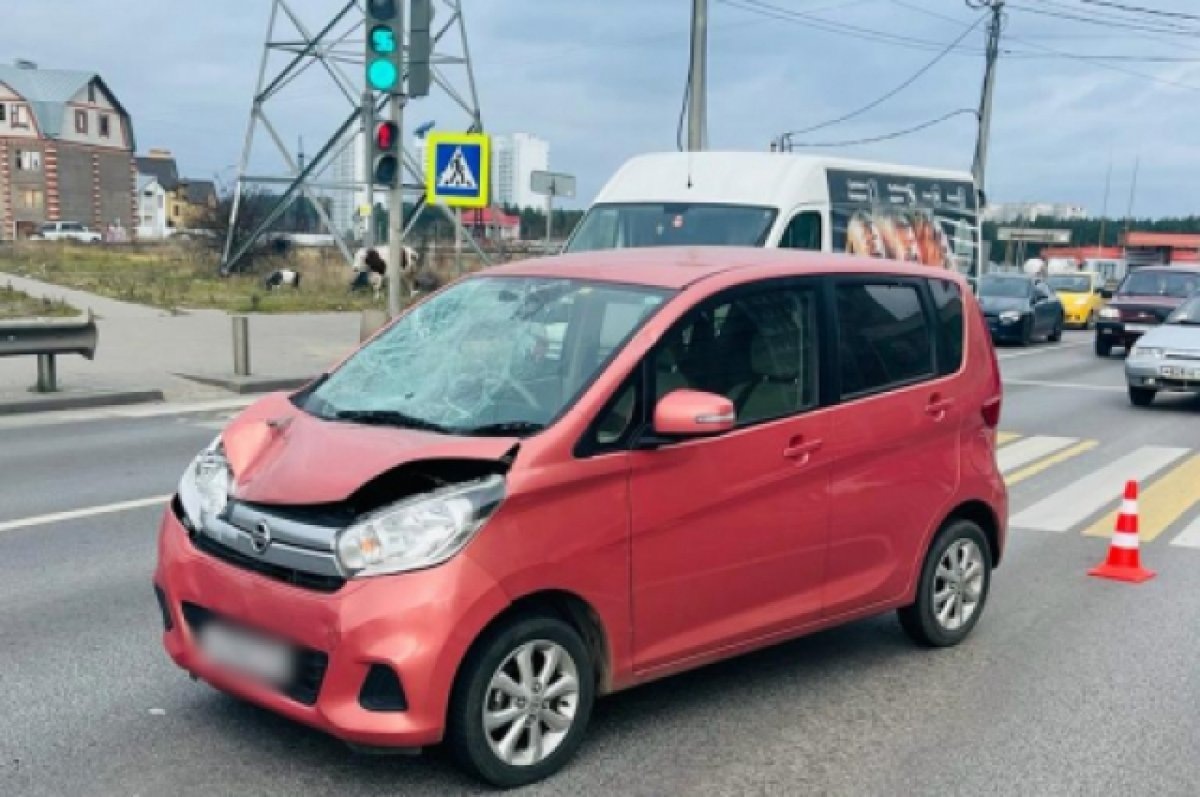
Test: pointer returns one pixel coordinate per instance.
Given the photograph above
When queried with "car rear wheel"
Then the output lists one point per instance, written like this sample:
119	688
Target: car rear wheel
1103	347
522	702
1142	396
953	588
1026	332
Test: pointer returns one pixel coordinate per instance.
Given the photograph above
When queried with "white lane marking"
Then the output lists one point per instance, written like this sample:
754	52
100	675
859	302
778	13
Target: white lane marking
1189	537
76	514
124	413
1064	385
1050	349
1021	453
1074	504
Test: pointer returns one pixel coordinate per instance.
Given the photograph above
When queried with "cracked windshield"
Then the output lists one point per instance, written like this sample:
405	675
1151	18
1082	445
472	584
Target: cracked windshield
491	355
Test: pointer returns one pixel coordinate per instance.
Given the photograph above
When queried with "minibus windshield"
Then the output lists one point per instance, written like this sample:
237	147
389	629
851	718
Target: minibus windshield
488	356
634	226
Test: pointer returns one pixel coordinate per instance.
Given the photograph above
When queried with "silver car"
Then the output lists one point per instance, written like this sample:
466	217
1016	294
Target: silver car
1167	357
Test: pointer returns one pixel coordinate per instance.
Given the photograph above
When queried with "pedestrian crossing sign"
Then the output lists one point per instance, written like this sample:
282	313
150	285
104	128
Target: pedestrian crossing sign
458	170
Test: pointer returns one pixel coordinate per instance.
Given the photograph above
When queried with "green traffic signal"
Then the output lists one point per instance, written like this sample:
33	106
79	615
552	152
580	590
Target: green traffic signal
383	40
383	75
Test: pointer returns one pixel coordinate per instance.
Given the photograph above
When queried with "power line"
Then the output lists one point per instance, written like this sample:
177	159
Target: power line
1142	10
888	136
1108	22
899	88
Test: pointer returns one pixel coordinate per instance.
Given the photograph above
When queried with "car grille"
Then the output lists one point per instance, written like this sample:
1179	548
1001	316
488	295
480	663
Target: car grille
310	664
319	582
1144	315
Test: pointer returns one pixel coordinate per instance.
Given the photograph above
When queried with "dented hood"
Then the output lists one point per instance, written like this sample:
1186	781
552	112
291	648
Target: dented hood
281	455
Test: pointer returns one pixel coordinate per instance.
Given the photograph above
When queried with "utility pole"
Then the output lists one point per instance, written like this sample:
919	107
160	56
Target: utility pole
698	79
979	166
396	213
1104	212
1132	191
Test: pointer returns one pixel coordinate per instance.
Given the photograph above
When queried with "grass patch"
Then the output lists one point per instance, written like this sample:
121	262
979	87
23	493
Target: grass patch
179	277
15	304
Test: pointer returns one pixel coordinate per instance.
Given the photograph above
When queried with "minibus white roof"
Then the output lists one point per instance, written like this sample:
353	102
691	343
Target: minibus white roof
764	179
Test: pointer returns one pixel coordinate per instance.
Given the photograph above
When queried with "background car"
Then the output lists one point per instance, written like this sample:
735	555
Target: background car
1167	357
1082	296
66	231
1144	300
1020	308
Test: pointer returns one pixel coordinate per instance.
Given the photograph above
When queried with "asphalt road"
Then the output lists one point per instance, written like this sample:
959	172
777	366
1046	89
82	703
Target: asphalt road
1070	685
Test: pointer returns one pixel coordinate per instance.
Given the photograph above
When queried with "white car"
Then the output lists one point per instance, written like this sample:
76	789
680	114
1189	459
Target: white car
66	231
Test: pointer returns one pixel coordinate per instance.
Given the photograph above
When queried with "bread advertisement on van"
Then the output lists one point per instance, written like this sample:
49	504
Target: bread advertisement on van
928	221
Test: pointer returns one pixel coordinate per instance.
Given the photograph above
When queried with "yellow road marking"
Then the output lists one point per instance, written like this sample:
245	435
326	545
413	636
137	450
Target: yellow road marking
1160	504
1005	437
1042	464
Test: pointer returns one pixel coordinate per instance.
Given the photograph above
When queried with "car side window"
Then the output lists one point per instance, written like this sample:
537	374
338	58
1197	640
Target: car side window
803	232
618	422
757	348
884	337
948	305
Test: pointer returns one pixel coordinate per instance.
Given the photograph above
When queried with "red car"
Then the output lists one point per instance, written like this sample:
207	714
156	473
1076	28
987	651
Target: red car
561	478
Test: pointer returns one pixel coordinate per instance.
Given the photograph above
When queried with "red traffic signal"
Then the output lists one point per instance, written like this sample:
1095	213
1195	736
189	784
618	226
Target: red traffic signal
386	136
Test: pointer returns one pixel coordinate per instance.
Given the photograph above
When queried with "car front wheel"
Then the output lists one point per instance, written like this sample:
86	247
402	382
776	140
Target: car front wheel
1141	396
1056	333
522	702
1103	347
953	588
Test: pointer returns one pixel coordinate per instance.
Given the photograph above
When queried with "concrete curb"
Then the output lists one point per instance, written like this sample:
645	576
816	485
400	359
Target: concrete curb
241	385
51	402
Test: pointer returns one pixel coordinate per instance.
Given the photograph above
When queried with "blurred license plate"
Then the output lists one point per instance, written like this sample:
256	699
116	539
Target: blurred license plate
1180	372
1138	327
247	653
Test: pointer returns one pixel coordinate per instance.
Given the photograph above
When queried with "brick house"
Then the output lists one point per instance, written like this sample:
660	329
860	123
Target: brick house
66	151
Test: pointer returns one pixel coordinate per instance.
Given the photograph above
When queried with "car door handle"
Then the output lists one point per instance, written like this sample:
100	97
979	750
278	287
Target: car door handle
938	407
800	449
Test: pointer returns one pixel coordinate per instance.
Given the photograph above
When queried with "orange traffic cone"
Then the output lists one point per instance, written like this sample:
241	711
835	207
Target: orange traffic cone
1124	562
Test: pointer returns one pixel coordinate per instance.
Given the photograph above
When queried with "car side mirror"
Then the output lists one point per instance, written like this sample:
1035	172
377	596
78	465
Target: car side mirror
693	413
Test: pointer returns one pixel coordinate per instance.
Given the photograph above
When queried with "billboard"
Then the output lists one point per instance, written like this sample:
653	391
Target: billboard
917	219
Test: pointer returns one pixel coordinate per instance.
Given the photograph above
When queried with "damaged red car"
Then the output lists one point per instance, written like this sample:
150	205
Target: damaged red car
560	478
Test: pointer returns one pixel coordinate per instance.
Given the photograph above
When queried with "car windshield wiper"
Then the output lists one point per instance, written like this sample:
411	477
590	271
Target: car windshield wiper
517	428
389	418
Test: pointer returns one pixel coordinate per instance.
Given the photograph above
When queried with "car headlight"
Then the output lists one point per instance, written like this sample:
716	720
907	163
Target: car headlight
419	532
1146	351
1111	313
204	488
1010	317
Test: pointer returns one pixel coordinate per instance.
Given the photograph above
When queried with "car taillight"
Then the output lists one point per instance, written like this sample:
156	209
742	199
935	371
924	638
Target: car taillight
991	412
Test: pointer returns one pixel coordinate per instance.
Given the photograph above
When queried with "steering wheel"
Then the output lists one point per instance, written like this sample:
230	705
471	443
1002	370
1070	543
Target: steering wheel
520	390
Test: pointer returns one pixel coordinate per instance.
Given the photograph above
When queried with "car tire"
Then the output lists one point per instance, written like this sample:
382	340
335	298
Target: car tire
498	653
1103	347
954	581
1142	396
1056	333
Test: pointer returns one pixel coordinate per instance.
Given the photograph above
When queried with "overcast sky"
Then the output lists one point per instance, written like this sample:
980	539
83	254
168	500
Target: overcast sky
602	80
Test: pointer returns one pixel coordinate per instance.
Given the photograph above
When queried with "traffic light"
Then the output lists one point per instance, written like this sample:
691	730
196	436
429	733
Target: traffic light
384	53
420	48
386	165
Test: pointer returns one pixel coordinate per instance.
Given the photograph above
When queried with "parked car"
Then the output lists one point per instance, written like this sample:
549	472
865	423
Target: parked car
465	533
1143	301
1167	358
1082	296
1019	308
66	231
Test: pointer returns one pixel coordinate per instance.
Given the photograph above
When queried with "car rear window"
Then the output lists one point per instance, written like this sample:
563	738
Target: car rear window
884	337
948	305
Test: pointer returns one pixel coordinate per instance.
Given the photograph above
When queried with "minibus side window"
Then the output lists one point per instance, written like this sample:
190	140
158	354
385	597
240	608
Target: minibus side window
803	232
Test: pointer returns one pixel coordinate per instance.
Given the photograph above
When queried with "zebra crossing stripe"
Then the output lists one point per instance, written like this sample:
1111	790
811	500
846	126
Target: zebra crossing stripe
1020	454
1162	503
1049	462
1074	504
1005	437
1189	537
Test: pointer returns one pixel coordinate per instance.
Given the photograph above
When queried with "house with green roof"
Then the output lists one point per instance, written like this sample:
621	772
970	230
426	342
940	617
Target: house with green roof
66	152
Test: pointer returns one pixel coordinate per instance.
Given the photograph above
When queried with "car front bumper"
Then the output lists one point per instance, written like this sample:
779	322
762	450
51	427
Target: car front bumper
1006	332
1118	333
420	625
1077	316
1159	374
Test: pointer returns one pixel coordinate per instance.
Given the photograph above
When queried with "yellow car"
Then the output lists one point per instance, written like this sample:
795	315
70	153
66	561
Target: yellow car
1081	295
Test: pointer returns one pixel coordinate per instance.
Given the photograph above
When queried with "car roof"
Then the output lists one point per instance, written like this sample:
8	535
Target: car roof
678	267
1185	268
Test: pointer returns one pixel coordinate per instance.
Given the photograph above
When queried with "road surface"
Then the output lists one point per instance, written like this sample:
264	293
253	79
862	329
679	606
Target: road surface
1070	685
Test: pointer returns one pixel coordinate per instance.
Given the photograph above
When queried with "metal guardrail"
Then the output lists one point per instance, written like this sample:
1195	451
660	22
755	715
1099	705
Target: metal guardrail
46	338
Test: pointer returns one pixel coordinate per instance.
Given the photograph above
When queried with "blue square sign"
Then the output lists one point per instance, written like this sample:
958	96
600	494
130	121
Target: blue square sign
458	169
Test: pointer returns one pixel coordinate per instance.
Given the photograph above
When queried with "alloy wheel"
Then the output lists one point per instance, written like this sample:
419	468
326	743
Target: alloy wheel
531	703
958	584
